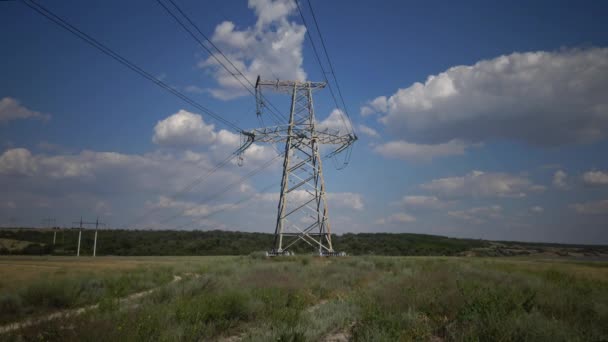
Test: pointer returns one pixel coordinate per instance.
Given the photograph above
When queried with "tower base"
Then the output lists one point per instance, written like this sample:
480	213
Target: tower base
273	253
332	254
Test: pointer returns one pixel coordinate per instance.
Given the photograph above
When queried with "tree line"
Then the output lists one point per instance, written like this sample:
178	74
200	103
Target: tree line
216	242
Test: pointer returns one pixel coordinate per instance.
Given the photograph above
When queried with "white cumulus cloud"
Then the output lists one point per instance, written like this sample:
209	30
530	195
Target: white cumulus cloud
272	48
537	209
482	184
11	109
561	94
560	179
345	200
377	105
478	214
349	200
370	132
596	177
17	161
397	218
186	129
591	207
183	129
402	149
419	201
190	208
336	121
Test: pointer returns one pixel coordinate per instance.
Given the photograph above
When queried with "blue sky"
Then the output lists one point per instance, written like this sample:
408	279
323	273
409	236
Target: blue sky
475	120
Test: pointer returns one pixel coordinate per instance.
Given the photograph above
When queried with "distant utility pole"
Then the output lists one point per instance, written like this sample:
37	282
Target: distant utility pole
97	224
79	237
50	223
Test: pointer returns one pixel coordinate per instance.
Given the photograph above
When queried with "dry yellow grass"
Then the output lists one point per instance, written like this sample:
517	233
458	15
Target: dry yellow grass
17	271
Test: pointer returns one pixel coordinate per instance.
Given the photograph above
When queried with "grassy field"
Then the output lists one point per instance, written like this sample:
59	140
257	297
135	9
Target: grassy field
251	298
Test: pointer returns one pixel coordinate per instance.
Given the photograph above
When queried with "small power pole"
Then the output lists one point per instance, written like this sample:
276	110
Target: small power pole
79	236
50	223
97	224
95	240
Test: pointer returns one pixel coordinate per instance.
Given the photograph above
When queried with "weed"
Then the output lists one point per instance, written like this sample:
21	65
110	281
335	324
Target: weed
304	298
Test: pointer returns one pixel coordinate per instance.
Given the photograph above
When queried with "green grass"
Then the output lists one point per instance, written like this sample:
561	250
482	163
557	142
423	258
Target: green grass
56	293
307	299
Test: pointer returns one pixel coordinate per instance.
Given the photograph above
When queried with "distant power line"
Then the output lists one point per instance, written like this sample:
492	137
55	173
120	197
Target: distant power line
185	189
324	73
106	50
331	67
233	205
349	127
235	72
216	195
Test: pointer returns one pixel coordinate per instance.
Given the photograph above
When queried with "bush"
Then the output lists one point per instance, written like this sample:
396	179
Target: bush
57	295
10	304
257	255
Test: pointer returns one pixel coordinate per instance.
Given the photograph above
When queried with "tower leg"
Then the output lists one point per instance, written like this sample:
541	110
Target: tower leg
278	233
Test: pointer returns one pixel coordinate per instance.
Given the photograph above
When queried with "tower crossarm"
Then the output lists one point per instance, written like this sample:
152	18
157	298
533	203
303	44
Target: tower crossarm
278	134
287	86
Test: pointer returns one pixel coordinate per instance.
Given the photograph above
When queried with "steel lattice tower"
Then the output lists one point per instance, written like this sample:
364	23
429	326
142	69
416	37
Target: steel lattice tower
302	210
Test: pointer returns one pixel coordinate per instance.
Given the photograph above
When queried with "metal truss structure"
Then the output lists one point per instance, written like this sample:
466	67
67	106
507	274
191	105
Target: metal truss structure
302	210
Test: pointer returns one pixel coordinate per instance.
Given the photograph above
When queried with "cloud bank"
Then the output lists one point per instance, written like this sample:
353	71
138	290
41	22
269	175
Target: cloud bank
479	184
596	177
404	150
539	98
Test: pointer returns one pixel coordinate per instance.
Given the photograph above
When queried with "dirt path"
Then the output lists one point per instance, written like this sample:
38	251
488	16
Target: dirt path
126	301
343	335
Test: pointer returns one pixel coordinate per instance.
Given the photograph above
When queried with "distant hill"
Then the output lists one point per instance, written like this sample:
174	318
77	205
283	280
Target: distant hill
217	242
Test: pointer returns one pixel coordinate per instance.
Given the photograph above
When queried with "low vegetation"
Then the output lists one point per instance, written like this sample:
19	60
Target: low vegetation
304	298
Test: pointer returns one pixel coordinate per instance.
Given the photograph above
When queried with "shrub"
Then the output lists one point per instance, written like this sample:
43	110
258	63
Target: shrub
10	304
52	294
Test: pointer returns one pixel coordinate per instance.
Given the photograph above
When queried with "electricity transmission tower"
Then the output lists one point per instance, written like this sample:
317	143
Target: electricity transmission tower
302	213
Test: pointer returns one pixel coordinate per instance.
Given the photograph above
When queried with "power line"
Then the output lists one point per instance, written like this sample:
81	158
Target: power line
275	112
106	50
70	28
243	200
185	189
226	189
316	53
331	67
